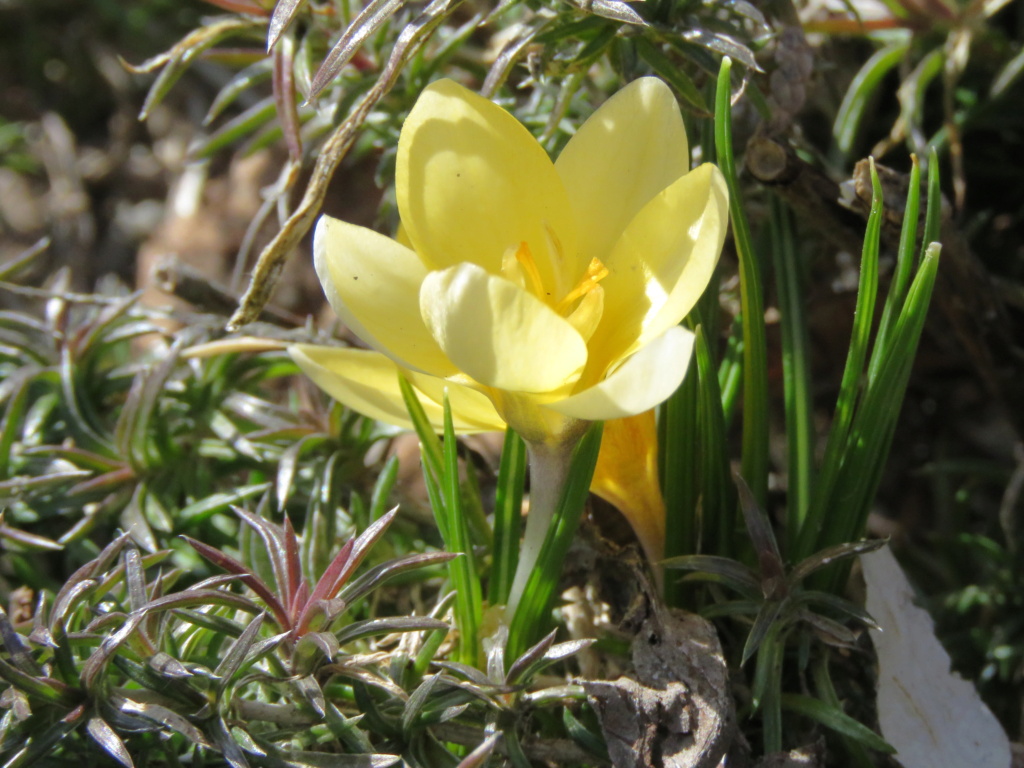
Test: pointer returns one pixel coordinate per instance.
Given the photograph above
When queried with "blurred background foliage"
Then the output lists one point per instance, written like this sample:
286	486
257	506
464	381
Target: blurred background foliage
124	642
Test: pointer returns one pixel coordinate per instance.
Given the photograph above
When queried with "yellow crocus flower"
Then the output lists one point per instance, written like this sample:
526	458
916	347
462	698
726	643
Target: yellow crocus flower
542	295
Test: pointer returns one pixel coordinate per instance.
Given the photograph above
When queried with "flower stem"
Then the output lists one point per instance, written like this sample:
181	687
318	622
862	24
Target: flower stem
549	470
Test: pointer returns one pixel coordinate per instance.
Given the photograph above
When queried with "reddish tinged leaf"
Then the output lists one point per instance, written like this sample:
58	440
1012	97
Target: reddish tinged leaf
319	594
298	602
273	541
363	543
202	597
284	98
379	574
248	578
291	558
343	565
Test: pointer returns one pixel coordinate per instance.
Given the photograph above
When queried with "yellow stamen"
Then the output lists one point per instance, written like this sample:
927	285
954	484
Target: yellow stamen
596	272
525	259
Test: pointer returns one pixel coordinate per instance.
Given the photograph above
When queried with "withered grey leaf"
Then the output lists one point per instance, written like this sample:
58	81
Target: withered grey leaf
643	727
678	712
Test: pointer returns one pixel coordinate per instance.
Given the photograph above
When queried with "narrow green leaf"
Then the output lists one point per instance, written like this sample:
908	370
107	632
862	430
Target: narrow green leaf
821	517
796	375
232	660
248	78
872	432
859	94
678	473
671	72
905	263
755	352
199	511
766	691
933	215
508	517
826	691
718	502
836	720
731	572
237	128
176	61
382	488
764	625
465	577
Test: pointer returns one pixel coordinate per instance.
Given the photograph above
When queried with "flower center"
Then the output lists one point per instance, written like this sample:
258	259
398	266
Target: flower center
582	305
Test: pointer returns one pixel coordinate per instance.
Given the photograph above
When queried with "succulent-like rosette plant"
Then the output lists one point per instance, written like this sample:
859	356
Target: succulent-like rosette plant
542	295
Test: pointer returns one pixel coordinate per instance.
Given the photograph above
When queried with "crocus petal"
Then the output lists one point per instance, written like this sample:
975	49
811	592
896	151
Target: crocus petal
367	382
472	182
499	334
661	264
644	380
626	476
470	408
373	284
630	149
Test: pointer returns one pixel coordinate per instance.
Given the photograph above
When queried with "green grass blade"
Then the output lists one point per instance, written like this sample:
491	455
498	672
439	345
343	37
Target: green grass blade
677	426
440	473
859	94
730	372
872	432
796	374
755	356
465	577
835	719
820	516
823	685
508	517
933	212
718	505
430	453
767	687
905	259
382	489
